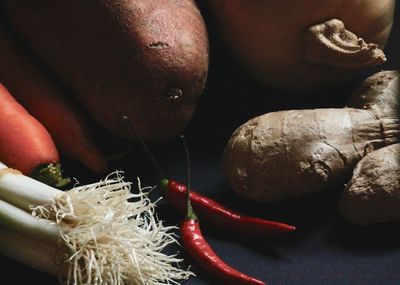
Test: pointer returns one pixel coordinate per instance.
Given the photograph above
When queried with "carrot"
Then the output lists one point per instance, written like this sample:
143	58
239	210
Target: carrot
46	102
25	144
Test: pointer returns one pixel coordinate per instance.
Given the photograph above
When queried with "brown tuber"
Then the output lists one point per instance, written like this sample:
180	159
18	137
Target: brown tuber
288	154
303	46
147	60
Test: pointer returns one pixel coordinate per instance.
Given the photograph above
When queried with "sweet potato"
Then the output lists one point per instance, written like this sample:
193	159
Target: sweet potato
147	60
287	154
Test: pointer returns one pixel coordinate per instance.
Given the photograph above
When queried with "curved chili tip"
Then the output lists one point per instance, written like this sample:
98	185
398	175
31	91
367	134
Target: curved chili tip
216	214
202	253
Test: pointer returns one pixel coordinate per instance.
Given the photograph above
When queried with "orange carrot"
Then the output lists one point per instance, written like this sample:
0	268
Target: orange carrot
25	144
45	100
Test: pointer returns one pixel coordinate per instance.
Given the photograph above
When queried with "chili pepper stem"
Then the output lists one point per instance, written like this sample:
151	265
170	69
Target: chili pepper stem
207	209
198	247
190	214
137	136
164	181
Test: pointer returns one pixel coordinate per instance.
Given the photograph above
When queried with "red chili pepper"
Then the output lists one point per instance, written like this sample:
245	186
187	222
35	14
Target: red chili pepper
208	209
200	250
203	254
216	214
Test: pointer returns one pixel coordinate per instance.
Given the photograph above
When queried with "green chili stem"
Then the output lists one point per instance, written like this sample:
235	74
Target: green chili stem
153	160
190	214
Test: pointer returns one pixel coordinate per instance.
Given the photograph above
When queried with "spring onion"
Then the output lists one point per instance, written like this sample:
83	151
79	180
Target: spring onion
101	233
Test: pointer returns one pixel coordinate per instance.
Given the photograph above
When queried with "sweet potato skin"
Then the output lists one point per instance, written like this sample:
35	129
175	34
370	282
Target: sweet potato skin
147	60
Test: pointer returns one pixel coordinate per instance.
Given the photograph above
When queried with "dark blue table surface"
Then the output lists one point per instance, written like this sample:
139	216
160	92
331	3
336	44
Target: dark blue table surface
325	249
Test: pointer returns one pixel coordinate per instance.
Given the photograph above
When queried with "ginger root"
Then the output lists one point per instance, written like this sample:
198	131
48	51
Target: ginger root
288	154
373	193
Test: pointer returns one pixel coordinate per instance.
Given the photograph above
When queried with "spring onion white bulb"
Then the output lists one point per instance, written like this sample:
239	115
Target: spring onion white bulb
95	234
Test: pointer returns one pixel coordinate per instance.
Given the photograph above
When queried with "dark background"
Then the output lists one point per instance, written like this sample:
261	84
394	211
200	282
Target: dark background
325	249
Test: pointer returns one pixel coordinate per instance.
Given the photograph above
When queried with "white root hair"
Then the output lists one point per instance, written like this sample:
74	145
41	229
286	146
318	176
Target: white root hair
112	236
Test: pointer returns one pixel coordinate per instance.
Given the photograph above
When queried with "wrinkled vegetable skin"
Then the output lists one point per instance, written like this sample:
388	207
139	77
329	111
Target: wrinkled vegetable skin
373	193
147	60
379	93
287	154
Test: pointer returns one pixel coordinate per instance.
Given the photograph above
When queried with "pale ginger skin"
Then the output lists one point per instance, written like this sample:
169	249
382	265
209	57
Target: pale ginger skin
373	193
288	154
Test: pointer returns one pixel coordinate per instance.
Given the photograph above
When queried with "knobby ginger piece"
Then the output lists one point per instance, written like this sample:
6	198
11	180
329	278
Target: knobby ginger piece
373	193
